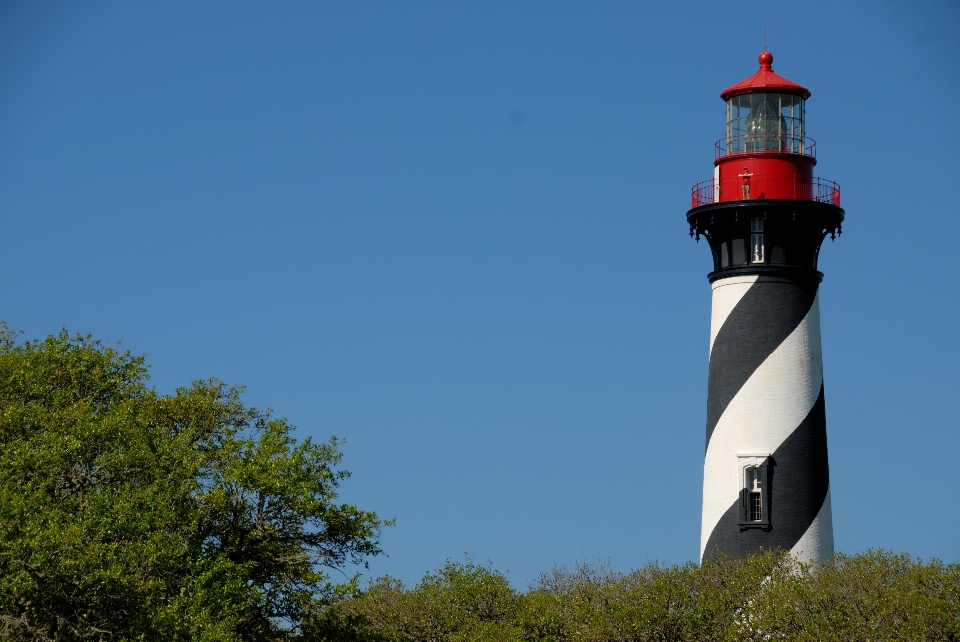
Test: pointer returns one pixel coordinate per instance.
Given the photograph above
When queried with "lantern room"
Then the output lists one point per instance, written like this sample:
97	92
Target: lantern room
765	113
765	153
765	122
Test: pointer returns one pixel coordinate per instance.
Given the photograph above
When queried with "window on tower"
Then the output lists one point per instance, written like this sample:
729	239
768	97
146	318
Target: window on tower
756	240
755	506
755	491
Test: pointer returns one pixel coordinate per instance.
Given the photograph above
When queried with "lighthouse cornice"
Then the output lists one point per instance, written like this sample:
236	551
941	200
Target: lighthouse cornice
807	208
766	236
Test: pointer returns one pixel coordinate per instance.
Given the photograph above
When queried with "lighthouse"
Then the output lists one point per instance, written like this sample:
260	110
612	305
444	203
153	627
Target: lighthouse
765	215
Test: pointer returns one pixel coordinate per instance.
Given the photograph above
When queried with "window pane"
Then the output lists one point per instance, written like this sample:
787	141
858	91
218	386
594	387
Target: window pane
803	116
756	248
756	507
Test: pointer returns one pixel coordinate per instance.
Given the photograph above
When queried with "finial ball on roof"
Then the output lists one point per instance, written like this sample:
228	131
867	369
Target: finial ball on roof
766	59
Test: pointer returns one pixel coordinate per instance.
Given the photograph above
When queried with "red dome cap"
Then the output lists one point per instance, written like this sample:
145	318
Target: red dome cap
765	80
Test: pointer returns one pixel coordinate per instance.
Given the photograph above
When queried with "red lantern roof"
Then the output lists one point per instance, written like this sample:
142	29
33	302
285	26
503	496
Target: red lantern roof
765	80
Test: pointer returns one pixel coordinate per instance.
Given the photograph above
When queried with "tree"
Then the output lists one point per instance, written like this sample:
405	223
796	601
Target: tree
459	603
874	596
129	515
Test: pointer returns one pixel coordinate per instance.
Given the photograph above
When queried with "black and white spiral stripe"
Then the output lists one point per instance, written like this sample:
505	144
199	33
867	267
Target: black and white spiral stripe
765	400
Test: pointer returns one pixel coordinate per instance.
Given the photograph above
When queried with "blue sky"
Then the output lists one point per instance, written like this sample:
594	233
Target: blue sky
453	234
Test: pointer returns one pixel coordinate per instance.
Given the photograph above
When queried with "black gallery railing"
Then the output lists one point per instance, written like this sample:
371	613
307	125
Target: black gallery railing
767	187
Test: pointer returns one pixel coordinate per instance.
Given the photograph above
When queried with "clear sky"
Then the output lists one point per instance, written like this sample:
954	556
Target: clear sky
453	234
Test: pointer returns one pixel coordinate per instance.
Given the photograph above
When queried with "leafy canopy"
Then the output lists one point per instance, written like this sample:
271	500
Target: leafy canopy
129	515
870	597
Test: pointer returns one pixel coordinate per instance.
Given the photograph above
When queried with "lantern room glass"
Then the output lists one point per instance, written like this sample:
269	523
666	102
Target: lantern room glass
765	122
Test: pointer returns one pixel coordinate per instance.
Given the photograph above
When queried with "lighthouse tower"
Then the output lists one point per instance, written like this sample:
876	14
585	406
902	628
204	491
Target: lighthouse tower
766	481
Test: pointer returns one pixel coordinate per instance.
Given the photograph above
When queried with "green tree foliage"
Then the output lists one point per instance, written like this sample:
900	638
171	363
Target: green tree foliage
128	515
877	596
459	603
874	596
